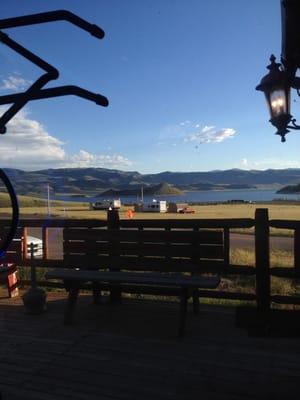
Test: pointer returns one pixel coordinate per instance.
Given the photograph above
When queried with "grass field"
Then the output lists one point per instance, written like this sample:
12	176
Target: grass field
37	208
29	205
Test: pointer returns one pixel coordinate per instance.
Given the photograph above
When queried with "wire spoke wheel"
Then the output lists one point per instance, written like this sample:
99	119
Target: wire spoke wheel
12	228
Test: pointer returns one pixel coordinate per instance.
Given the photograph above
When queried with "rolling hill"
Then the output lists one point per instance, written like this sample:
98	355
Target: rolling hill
95	181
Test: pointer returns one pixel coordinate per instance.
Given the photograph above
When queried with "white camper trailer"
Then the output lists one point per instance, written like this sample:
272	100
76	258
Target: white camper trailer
154	206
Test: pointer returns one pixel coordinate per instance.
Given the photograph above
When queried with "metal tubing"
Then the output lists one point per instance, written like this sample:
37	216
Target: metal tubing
15	213
35	92
57	92
22	100
50	16
4	38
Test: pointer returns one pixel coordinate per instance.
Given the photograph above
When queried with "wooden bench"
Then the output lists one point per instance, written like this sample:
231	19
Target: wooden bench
174	262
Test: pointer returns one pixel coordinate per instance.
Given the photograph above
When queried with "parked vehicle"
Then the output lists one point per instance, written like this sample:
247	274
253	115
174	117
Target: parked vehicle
106	204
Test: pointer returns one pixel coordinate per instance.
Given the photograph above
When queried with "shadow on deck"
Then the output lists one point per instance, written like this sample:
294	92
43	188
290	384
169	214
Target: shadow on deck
131	351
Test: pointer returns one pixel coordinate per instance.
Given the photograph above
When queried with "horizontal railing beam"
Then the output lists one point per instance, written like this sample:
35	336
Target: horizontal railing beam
284	224
189	223
286	299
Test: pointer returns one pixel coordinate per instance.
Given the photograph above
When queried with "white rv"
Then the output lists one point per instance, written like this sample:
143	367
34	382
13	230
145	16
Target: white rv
154	206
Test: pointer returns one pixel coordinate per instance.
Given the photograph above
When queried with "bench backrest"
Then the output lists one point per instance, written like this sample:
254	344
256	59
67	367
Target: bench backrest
144	250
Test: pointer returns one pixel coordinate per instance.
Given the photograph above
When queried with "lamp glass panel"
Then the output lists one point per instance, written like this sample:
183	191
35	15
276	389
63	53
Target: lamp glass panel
278	102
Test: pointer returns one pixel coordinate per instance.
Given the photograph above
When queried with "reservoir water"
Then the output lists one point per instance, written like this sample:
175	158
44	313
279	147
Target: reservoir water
254	195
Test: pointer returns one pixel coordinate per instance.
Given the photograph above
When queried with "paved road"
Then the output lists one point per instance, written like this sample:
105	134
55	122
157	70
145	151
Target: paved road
247	242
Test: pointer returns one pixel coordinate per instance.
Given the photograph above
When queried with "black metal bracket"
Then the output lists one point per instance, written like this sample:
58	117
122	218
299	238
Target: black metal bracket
15	214
294	125
35	92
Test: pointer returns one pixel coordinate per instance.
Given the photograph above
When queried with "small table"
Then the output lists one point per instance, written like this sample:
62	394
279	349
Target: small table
8	275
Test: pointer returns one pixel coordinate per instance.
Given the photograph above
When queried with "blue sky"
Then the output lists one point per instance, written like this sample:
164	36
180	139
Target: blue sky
180	77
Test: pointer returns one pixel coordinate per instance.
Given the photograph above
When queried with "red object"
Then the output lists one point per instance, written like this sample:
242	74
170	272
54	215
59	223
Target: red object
8	275
129	213
187	211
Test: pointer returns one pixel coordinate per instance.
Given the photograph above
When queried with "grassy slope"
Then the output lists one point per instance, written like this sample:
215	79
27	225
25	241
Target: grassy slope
28	201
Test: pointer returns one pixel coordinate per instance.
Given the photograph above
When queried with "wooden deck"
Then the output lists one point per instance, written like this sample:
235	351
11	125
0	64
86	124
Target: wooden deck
130	351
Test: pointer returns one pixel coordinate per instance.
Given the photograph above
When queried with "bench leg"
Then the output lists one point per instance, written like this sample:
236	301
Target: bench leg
96	293
72	298
196	303
115	294
183	310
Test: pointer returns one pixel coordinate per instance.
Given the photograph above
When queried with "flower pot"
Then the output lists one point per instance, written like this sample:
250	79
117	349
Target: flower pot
35	301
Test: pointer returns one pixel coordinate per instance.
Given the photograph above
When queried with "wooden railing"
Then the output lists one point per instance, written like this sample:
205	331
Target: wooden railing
288	272
260	292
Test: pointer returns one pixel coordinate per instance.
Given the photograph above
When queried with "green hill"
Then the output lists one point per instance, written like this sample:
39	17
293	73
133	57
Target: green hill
162	189
290	189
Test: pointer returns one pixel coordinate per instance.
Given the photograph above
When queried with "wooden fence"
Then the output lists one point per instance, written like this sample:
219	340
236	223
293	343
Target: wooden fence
260	292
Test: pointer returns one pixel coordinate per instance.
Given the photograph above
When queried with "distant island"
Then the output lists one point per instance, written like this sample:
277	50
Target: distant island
290	189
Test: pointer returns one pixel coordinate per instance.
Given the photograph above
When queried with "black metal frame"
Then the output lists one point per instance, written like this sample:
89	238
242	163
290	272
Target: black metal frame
15	213
35	91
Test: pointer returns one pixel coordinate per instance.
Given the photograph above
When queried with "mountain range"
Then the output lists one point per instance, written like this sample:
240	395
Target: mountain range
94	181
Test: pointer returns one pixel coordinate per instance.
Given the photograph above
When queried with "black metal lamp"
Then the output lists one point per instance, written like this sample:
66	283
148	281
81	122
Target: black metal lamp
277	84
276	87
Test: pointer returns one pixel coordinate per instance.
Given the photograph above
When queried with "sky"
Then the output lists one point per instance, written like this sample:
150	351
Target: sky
180	76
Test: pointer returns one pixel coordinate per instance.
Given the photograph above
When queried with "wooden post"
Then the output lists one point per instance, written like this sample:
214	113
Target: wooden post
297	252
32	267
226	247
24	243
45	242
113	223
196	300
113	220
262	260
296	282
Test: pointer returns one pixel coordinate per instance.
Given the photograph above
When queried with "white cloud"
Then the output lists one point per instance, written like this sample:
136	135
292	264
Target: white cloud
268	163
27	145
185	123
15	83
206	128
209	134
244	162
275	163
86	159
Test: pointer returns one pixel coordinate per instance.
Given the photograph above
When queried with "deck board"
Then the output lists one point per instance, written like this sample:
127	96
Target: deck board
130	351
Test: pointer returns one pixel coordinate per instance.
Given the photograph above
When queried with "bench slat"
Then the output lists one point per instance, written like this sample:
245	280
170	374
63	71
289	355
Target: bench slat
135	278
154	236
146	249
146	263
